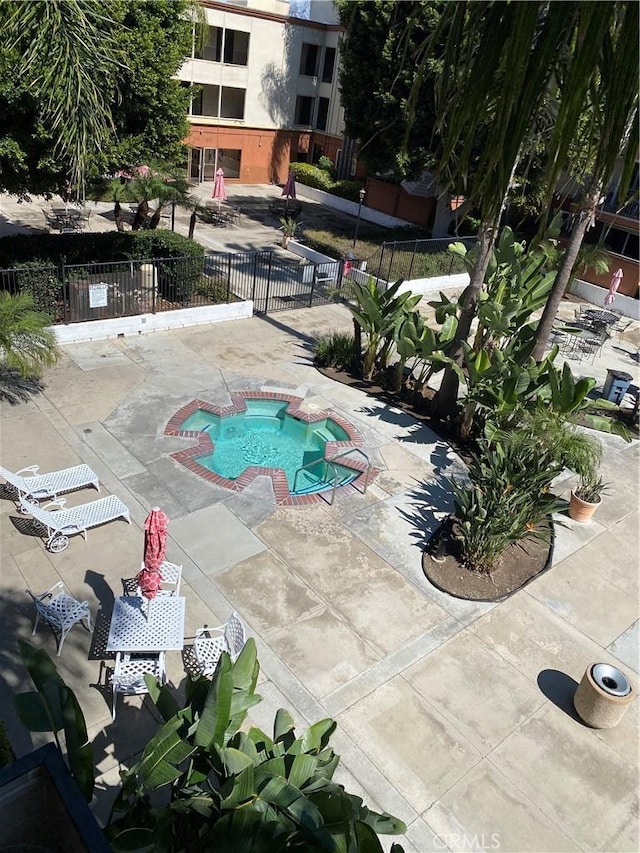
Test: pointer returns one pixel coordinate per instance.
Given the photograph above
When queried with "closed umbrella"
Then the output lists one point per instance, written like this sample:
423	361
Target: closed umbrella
155	547
289	189
613	287
219	189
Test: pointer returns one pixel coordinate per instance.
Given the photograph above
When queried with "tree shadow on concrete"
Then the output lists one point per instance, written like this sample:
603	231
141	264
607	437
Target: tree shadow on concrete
15	388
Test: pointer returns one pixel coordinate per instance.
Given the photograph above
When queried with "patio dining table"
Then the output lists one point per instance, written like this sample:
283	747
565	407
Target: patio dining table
607	317
138	625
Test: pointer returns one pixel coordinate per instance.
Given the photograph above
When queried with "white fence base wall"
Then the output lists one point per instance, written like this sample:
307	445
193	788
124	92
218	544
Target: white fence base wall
98	330
626	305
309	254
433	285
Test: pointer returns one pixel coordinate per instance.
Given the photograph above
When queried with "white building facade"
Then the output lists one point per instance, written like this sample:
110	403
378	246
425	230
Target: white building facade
268	89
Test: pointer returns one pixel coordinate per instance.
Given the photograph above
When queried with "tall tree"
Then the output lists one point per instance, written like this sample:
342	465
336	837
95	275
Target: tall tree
605	134
499	62
66	51
88	88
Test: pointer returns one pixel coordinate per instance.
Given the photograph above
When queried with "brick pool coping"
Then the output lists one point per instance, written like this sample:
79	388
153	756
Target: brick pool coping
204	446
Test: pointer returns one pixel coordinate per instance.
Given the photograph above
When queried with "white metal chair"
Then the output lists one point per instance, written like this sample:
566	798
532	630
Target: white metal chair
209	643
129	672
37	486
60	611
171	578
78	519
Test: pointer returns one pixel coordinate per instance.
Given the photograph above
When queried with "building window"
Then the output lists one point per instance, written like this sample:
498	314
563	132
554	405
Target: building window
212	48
236	47
219	102
232	103
229	162
309	60
304	110
328	64
230	46
323	112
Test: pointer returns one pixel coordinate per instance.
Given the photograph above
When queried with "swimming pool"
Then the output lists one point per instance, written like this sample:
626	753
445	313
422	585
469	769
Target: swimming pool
264	433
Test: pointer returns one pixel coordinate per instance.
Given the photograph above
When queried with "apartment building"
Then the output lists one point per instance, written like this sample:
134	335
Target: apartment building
268	89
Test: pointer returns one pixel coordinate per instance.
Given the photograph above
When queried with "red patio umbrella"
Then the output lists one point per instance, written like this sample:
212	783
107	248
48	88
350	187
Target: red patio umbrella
613	287
155	547
289	189
219	189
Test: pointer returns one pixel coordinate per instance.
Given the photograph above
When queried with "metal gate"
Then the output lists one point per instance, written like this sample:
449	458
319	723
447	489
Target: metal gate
274	284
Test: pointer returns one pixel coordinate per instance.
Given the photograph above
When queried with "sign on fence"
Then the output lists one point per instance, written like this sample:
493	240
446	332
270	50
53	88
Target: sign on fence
98	295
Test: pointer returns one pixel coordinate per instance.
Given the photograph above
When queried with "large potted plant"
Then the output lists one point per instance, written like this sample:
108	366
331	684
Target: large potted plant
587	496
289	227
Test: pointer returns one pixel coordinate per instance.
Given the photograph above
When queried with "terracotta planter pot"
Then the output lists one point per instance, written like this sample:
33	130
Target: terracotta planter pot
581	510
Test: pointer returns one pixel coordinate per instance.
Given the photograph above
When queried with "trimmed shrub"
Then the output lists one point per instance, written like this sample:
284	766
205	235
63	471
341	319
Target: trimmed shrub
347	189
54	249
312	176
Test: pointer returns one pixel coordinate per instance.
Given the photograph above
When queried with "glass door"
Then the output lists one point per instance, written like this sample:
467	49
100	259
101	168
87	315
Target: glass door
209	164
195	164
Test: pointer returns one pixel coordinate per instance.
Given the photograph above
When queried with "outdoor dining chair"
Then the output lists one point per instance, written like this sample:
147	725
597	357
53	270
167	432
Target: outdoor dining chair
60	611
210	643
171	578
130	669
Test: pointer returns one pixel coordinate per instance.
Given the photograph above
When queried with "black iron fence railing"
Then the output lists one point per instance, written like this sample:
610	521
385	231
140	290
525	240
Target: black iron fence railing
73	293
413	259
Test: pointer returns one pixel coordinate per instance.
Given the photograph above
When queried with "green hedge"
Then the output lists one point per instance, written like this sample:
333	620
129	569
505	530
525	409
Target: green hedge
46	249
314	176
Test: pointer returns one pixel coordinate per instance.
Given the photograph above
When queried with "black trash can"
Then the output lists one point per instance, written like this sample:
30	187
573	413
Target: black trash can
616	386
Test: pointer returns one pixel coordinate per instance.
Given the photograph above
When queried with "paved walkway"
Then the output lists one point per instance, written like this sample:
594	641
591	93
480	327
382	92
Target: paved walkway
457	717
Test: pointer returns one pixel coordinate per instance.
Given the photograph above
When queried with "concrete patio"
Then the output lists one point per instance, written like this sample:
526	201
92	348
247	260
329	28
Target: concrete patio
456	717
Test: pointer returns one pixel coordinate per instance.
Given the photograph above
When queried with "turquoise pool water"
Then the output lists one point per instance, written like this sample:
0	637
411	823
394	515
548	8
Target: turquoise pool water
267	436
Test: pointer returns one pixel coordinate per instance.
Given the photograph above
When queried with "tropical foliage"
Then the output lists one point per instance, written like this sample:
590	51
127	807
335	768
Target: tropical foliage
508	496
88	89
53	707
226	788
26	345
230	789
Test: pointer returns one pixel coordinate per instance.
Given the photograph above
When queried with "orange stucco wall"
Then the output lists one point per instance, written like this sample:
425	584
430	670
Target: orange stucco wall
266	154
629	286
394	200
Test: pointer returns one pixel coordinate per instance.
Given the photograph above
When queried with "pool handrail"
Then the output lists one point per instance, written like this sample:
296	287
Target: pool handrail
331	462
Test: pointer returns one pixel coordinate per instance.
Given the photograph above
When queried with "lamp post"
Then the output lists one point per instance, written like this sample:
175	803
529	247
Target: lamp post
363	192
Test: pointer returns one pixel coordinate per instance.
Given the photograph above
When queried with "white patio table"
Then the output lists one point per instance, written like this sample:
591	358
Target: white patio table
138	625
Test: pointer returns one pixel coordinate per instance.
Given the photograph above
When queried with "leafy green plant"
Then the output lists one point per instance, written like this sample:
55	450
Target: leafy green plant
508	497
26	345
335	350
591	488
229	789
53	707
325	163
289	226
43	284
378	312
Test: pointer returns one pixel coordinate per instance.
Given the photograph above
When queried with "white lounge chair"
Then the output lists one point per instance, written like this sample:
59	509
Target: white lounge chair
63	523
60	611
229	638
38	486
171	577
130	670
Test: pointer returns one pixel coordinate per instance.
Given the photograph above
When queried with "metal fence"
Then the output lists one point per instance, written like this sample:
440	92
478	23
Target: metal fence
72	293
412	259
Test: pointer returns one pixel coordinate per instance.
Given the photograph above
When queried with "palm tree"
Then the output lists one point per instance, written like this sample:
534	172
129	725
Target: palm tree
498	63
26	345
69	52
605	136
